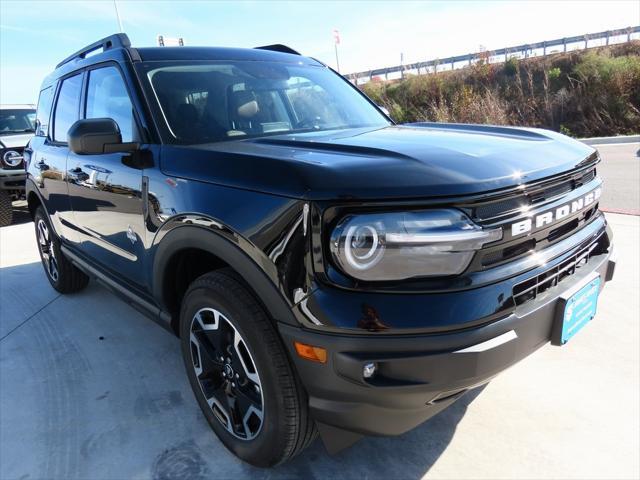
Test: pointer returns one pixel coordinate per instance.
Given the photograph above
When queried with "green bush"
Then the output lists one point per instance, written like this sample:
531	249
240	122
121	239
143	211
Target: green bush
554	73
511	66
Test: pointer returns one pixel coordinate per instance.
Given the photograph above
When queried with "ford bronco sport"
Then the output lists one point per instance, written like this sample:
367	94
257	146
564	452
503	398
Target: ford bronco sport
325	269
16	128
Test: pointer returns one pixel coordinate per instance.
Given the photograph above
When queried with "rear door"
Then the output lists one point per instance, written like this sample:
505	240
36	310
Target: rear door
106	194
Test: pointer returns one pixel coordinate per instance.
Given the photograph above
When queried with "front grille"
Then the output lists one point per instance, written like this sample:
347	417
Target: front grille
487	212
508	253
587	177
531	288
496	209
560	232
528	201
552	192
501	253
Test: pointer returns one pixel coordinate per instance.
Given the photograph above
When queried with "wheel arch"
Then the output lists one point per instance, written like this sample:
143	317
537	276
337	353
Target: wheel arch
33	201
212	250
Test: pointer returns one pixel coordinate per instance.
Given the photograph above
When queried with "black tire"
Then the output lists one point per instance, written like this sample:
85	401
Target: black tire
6	209
286	427
61	273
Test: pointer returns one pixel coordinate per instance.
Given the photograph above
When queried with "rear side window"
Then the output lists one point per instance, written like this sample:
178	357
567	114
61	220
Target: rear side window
107	97
44	112
67	107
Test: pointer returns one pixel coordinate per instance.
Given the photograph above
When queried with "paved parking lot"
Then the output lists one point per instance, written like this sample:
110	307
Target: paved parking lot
91	389
620	170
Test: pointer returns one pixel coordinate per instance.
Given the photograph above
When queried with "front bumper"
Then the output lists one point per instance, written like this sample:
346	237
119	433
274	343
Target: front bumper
12	179
419	375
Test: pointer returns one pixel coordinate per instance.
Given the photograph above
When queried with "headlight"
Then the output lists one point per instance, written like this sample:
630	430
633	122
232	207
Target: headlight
402	245
12	158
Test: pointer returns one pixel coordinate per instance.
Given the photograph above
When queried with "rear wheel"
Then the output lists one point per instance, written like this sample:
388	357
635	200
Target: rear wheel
6	209
62	274
240	373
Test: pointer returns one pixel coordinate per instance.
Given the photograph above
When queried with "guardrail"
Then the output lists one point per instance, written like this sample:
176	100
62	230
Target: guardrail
519	51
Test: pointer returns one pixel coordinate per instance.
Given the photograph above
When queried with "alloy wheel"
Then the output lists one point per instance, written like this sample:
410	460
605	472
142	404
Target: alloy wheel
226	373
45	243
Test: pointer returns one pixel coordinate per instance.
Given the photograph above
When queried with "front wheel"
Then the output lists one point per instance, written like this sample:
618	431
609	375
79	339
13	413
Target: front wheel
61	273
240	373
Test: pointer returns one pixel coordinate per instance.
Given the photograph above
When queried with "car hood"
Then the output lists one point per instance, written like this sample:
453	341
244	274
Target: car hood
409	161
14	140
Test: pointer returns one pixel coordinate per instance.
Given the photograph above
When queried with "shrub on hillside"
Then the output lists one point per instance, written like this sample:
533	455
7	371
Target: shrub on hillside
584	93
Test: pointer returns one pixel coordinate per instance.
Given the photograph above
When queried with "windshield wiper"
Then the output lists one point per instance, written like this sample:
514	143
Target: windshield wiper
25	130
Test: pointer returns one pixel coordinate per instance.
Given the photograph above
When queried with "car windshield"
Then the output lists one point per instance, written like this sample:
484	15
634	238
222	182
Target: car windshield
219	101
17	120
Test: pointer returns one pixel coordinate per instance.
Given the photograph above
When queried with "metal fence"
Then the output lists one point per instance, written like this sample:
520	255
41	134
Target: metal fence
500	55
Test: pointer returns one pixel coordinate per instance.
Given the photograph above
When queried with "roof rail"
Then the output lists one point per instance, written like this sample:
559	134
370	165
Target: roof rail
278	47
118	40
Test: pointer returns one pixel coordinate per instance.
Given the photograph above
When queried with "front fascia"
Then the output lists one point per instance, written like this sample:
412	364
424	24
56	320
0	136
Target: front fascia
486	298
326	215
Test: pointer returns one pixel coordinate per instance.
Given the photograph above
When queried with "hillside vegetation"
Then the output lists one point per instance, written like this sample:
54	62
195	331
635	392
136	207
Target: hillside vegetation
581	93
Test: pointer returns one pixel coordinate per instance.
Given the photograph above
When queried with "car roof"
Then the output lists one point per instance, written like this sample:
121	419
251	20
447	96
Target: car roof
221	53
118	48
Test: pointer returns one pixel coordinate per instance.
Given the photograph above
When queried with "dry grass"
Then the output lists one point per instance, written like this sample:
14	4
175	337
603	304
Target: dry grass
581	93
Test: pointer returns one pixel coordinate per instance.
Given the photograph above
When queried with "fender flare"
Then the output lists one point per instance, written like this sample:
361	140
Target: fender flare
31	187
228	250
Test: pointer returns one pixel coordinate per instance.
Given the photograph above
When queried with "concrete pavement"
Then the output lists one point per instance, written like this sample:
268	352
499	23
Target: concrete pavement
620	170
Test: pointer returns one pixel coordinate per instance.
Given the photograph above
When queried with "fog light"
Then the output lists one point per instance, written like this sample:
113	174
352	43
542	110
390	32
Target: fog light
369	370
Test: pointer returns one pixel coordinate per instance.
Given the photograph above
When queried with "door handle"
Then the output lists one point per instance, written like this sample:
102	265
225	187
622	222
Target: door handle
42	165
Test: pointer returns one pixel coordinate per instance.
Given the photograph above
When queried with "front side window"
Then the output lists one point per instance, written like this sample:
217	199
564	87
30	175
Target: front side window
67	107
107	97
44	112
16	120
216	101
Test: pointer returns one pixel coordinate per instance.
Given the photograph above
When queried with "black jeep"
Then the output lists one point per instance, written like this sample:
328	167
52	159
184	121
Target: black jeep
325	269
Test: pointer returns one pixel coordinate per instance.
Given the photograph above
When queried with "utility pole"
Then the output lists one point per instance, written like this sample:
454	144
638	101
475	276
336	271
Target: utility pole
336	42
115	5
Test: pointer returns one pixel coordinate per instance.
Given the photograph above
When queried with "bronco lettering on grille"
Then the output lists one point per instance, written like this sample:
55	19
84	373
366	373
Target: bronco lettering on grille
548	218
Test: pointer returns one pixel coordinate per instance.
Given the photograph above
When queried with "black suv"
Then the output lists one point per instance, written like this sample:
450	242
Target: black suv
325	269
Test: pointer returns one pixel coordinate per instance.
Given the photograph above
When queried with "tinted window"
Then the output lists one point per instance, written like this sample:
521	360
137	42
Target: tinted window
67	107
16	120
44	112
309	100
107	97
235	100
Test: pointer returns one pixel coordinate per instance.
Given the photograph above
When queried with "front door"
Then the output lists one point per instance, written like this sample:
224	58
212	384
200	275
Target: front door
106	194
50	157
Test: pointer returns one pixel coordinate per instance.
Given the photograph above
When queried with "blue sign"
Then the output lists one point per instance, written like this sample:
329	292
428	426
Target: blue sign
580	309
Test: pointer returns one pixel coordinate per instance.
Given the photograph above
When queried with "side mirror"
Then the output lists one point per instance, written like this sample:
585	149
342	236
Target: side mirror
96	136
